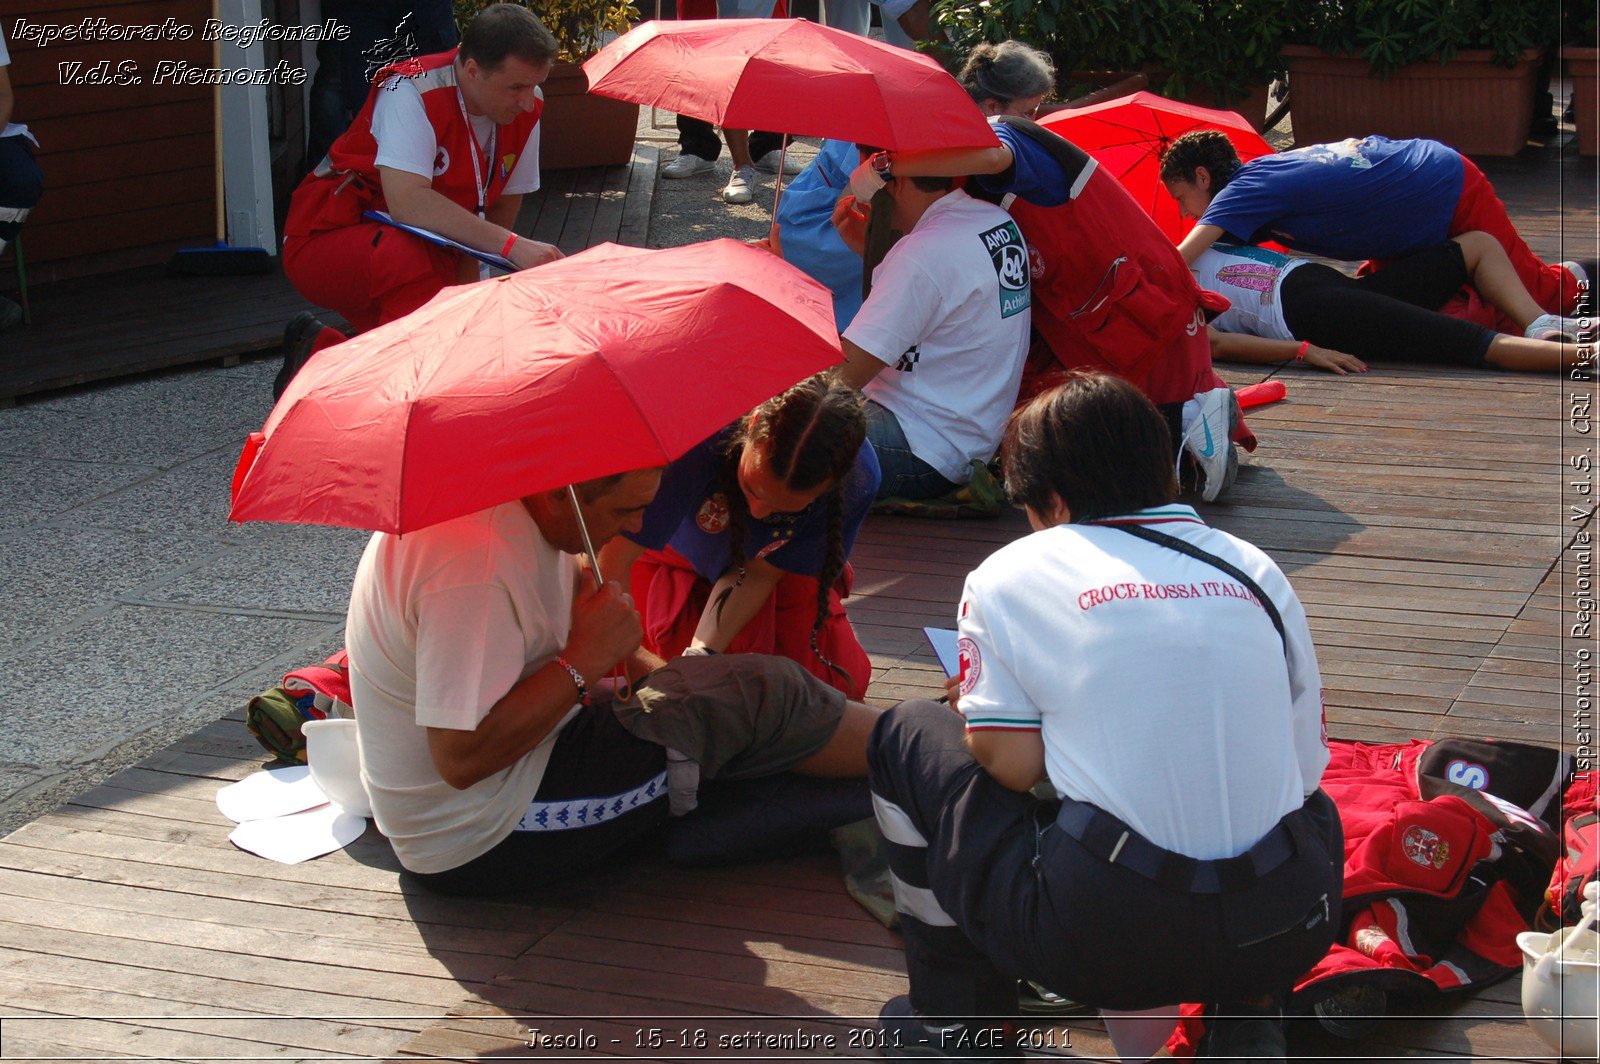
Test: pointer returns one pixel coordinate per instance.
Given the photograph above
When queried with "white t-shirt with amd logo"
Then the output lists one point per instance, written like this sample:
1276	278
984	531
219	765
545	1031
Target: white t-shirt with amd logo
1162	691
949	316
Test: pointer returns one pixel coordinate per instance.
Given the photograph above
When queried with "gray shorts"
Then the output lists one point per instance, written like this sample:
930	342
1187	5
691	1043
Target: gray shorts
740	716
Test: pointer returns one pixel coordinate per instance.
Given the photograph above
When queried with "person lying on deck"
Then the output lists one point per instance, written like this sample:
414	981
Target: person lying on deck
494	762
1159	676
1286	308
745	547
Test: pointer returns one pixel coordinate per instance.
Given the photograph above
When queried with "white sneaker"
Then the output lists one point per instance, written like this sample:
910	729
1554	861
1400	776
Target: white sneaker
1579	274
686	165
1555	327
737	190
769	163
1208	422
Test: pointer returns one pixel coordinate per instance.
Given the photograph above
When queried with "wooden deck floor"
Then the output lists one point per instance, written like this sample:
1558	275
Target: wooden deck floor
1419	513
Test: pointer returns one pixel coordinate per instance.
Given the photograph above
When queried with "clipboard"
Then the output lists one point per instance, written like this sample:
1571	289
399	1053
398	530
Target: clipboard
943	642
488	258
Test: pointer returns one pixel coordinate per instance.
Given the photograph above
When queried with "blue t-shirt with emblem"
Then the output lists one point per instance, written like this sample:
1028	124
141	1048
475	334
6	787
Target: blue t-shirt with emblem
1373	198
690	514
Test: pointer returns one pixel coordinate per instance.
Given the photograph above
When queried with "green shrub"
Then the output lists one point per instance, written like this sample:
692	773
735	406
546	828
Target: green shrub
579	26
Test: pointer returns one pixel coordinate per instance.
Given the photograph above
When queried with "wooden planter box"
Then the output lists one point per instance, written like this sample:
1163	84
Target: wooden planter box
1583	67
1253	107
1469	103
580	129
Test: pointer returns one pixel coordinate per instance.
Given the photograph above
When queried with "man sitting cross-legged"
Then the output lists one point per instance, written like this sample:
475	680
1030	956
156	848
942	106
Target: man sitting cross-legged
491	765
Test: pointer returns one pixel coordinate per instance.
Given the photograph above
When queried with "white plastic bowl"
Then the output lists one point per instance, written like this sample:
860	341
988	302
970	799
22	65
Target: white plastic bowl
1561	1002
333	753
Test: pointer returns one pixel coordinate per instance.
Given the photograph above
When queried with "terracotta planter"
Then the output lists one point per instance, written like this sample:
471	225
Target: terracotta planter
1583	67
581	129
1469	103
1253	107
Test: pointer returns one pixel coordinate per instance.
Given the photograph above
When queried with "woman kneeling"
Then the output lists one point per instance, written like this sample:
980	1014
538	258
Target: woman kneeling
1159	675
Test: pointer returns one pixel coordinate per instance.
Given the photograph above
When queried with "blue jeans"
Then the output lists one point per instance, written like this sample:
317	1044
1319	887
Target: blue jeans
905	476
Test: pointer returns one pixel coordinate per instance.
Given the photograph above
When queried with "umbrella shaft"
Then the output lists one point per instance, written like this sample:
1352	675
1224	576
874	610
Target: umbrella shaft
588	544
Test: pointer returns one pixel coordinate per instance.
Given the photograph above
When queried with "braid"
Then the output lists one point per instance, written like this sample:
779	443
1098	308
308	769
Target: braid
728	485
832	566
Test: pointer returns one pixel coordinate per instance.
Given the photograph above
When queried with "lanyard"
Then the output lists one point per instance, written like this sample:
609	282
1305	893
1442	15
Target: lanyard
478	181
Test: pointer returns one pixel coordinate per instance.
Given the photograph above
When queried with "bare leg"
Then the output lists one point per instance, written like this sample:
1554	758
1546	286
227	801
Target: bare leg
739	149
845	756
1527	356
1496	279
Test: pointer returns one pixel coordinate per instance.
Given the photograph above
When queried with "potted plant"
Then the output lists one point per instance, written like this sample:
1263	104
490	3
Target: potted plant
577	129
1217	53
1582	59
1460	71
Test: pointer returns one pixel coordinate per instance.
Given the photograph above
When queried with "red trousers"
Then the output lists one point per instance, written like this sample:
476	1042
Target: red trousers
369	272
671	596
1480	210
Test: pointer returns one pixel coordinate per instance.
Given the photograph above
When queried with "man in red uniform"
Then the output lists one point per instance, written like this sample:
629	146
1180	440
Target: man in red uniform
445	142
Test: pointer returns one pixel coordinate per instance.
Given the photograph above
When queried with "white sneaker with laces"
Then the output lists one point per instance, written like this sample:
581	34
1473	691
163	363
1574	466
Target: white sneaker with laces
737	190
769	163
686	165
1555	327
1208	422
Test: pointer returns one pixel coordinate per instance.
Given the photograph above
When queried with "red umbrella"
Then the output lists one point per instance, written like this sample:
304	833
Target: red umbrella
791	76
1128	135
614	359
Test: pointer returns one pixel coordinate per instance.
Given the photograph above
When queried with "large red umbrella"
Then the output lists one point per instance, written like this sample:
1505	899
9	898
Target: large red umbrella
791	76
1128	135
614	359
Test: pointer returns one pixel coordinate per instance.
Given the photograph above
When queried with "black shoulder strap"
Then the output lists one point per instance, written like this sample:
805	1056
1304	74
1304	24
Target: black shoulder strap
1073	159
1183	546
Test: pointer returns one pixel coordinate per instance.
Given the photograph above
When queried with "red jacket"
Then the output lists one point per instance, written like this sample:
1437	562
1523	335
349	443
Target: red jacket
345	183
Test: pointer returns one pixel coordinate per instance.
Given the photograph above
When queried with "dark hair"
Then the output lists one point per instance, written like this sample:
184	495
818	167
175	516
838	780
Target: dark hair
1006	71
1094	442
590	490
810	435
1209	148
933	184
501	30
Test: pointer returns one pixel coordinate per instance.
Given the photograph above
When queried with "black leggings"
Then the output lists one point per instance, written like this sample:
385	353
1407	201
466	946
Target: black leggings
1388	315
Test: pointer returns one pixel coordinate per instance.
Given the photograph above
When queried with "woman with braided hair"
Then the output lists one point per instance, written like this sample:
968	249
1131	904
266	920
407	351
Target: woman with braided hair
744	547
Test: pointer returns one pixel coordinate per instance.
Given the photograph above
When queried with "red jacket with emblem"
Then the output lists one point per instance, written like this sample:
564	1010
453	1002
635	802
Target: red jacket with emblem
346	183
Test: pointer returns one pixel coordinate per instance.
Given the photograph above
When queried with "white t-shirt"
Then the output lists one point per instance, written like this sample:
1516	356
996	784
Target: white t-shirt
12	129
442	623
1251	278
406	140
949	316
1161	688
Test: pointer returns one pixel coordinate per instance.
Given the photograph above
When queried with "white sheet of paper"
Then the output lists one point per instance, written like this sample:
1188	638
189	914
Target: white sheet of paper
270	793
943	642
300	836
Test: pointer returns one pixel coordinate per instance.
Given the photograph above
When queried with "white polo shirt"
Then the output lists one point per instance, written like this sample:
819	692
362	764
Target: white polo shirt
949	316
406	139
1162	691
1252	280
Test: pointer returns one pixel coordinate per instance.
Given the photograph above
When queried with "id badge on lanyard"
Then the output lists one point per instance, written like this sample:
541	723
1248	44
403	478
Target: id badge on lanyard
479	182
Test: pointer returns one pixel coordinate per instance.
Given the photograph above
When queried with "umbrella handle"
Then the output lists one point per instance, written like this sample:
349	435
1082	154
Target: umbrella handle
624	689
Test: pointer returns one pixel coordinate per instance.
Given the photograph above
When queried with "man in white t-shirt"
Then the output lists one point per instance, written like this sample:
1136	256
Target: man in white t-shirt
1160	676
939	345
448	143
473	645
21	183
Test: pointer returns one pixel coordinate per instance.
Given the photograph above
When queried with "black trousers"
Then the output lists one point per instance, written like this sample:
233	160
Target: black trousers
21	185
1388	315
991	889
697	137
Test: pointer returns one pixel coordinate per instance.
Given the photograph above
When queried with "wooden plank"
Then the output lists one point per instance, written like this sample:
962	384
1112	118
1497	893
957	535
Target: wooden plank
634	229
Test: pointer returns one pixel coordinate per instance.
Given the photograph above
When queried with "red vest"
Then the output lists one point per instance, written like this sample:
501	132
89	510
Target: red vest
346	182
1112	293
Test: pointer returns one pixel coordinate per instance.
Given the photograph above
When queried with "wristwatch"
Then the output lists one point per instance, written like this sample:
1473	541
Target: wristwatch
881	165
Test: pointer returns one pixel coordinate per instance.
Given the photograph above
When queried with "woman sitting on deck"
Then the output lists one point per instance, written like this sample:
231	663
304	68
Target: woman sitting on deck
1285	308
744	547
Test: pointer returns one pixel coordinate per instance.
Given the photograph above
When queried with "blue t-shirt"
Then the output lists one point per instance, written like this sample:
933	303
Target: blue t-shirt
1035	175
805	222
690	514
1373	198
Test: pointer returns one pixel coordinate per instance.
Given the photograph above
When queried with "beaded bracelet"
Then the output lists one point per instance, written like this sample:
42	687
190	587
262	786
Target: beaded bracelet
577	678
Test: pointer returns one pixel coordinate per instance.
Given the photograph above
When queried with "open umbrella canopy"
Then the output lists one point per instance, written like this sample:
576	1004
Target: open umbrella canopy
1128	135
614	359
790	76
